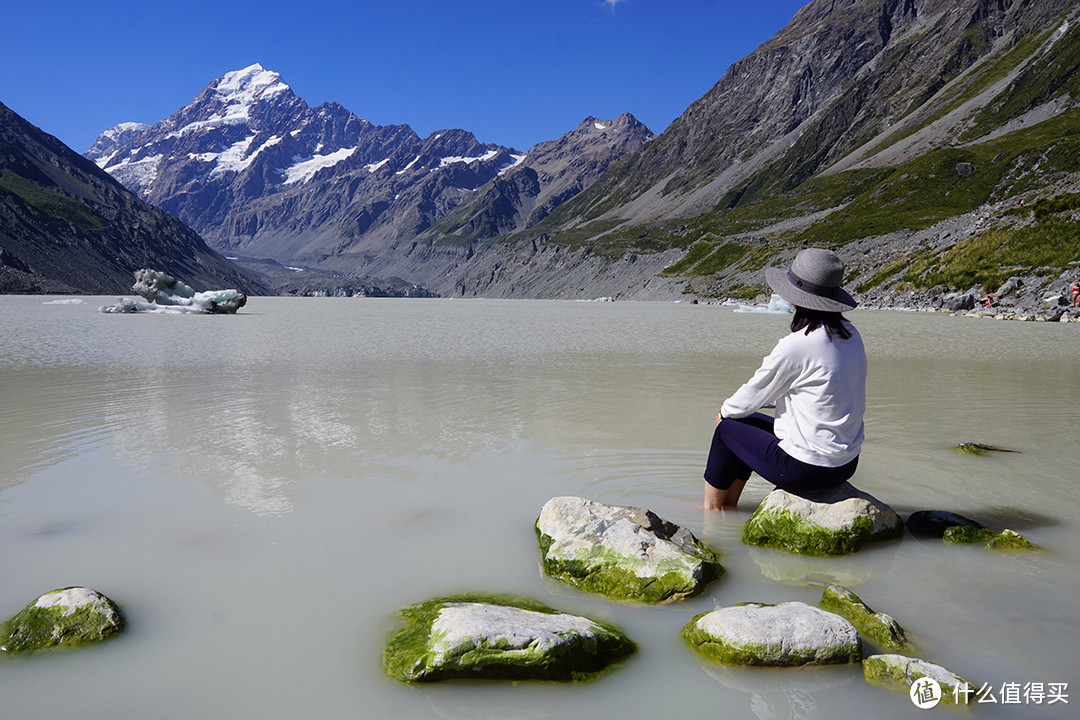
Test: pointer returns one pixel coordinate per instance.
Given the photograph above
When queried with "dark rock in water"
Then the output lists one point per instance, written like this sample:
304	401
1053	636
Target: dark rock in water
62	618
495	637
836	521
622	552
934	523
881	629
785	635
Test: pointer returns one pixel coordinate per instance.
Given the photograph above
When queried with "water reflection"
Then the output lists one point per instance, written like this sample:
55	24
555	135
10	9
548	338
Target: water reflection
787	692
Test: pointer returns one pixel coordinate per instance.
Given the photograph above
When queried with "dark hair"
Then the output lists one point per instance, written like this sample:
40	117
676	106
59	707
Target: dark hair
810	320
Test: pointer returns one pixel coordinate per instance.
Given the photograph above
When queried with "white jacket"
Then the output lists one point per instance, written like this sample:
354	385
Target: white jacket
819	388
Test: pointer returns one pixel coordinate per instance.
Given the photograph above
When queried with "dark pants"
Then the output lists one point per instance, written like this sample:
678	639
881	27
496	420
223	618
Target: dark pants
742	445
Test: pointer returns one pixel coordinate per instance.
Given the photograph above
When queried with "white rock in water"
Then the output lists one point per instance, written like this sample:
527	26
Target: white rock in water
471	625
622	552
788	634
836	521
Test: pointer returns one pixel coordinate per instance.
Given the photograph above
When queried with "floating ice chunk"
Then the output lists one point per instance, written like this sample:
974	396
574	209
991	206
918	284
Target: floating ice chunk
65	301
776	304
162	293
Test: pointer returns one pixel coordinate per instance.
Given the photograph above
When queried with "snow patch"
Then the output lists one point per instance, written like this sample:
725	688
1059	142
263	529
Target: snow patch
518	159
303	169
459	159
372	167
408	167
599	126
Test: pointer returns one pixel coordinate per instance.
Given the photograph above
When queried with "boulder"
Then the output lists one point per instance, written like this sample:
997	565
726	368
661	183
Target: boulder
878	628
497	637
62	618
624	553
901	672
836	521
784	635
934	523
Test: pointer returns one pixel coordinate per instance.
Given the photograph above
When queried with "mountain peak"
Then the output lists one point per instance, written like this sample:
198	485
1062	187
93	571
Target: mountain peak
251	83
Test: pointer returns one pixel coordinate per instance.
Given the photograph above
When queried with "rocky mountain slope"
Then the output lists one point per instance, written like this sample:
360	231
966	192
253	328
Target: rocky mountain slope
929	141
68	227
260	174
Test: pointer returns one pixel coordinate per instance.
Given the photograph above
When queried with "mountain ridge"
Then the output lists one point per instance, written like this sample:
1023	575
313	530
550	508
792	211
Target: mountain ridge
68	227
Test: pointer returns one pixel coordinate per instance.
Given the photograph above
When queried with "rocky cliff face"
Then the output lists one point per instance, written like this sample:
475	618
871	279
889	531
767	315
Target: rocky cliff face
550	173
899	131
68	227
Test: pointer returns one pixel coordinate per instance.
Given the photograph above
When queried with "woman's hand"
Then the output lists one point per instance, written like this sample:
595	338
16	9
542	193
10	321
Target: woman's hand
719	417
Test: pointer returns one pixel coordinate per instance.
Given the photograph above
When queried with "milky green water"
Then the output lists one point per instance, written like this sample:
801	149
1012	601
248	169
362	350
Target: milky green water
262	492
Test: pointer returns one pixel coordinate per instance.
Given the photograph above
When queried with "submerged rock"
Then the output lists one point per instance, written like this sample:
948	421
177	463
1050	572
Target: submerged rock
62	618
784	635
879	628
935	523
496	637
1004	540
972	448
622	552
901	672
836	521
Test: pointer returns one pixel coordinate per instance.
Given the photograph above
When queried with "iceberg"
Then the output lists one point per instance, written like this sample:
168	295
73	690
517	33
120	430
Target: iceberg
776	304
162	293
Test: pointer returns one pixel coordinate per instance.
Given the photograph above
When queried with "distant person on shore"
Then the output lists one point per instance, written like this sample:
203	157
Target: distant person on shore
1075	294
815	376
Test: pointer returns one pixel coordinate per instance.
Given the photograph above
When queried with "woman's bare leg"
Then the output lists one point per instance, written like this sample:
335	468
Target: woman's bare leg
716	499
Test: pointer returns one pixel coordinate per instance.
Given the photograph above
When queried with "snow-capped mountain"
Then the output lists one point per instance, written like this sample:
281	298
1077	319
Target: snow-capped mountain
259	173
254	169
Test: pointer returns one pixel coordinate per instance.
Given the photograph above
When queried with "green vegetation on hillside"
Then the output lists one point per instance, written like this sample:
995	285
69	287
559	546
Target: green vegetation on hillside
51	203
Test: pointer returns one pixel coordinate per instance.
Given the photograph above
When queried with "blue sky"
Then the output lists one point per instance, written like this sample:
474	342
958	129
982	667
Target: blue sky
510	71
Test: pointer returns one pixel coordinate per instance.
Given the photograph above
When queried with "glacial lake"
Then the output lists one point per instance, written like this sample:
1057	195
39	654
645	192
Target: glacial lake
263	492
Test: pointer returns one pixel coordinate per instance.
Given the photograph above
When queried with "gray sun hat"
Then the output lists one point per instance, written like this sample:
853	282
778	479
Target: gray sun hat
813	282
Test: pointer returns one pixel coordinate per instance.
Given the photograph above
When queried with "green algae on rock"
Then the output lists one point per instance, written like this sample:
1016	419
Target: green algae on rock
498	637
785	635
900	672
879	628
980	449
1011	540
966	534
622	553
67	617
836	521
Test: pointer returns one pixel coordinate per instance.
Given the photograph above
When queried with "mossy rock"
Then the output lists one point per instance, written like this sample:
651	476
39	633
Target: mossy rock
785	635
837	521
623	553
67	617
880	629
1011	540
934	523
967	534
901	672
497	637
